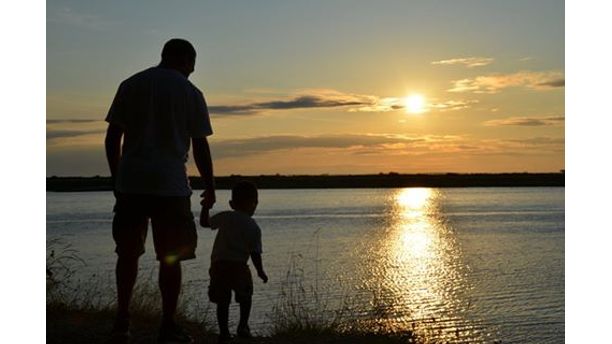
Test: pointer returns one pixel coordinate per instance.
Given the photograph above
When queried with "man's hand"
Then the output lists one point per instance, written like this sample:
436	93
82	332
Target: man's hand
263	276
208	199
201	155
204	218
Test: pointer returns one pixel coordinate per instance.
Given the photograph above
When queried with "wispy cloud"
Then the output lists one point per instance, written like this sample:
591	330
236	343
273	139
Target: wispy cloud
262	144
328	98
305	99
68	120
469	62
62	134
73	132
526	121
496	82
68	16
384	145
451	105
553	83
380	105
344	153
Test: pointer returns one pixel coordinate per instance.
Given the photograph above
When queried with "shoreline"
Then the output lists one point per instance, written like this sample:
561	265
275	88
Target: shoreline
381	180
67	325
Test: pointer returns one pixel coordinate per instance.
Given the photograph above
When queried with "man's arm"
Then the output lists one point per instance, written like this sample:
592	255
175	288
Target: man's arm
112	143
203	161
256	258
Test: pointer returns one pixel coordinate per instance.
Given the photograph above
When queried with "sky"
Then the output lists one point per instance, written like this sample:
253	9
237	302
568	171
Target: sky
325	87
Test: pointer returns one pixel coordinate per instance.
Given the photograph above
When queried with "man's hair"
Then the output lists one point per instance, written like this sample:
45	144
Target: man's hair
244	191
177	49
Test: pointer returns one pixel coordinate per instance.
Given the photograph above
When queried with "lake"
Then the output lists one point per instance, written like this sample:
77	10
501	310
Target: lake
456	264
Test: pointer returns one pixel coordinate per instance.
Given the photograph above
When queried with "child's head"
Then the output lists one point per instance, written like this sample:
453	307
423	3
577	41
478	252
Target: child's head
244	197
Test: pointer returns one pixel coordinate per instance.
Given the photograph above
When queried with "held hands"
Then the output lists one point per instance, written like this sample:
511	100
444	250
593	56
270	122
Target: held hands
263	276
208	199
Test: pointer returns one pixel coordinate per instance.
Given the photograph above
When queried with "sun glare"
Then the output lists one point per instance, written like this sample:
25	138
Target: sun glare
415	103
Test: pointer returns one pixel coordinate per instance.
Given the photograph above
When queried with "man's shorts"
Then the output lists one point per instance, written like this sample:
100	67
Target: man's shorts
174	230
226	276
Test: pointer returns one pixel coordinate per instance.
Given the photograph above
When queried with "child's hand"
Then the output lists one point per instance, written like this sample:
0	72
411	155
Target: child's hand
263	276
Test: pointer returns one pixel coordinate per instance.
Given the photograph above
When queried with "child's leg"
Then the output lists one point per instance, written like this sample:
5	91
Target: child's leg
244	296
223	318
245	312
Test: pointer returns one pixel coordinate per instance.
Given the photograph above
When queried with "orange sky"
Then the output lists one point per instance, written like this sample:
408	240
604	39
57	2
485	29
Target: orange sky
314	88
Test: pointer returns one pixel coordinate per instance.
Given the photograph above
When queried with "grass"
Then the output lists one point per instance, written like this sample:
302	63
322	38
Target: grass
82	314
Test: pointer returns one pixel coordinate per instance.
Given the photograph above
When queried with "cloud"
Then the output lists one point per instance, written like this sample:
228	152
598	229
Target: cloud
384	145
526	121
74	132
496	82
307	99
68	16
342	153
381	105
60	121
470	62
60	134
327	98
257	145
538	141
553	83
451	105
523	146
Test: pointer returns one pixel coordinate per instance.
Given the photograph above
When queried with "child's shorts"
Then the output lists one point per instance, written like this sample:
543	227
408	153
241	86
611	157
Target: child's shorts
226	276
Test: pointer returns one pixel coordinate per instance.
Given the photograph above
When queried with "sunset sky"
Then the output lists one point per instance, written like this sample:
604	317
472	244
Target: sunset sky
316	87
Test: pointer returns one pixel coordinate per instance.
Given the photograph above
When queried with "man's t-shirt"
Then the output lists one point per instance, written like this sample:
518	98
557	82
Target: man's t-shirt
160	110
238	236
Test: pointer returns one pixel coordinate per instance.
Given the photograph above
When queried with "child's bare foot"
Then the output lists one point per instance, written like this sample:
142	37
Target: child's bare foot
244	332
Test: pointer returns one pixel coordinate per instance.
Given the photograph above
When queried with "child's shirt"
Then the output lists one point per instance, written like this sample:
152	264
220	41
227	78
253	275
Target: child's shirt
238	236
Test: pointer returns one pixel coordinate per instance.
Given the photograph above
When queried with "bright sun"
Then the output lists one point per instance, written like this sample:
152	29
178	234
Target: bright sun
415	103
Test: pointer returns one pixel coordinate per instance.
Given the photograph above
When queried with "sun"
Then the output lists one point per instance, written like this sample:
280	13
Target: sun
415	103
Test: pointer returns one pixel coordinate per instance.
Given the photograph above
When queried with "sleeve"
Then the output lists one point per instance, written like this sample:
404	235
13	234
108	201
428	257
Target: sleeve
255	246
216	221
199	121
117	113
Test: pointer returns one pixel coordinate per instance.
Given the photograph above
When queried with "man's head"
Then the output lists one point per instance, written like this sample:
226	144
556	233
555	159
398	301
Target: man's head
244	197
179	54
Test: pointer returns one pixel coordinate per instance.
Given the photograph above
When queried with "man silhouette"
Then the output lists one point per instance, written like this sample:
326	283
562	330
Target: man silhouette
158	112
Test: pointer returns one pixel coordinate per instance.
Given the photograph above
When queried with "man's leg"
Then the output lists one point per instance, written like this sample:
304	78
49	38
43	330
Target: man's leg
223	319
125	273
170	287
129	233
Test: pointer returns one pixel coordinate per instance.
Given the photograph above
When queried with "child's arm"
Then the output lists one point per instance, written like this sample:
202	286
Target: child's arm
212	222
256	258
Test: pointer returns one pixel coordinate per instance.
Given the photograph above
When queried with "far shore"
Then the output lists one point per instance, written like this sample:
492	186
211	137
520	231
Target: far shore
381	180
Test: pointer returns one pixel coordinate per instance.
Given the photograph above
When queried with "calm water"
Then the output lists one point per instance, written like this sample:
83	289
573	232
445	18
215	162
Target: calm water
473	264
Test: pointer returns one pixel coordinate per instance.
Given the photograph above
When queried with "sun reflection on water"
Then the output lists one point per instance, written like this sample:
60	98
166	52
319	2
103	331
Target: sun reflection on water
417	268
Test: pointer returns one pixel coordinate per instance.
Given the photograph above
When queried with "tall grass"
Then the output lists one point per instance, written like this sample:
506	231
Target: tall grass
304	309
66	292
